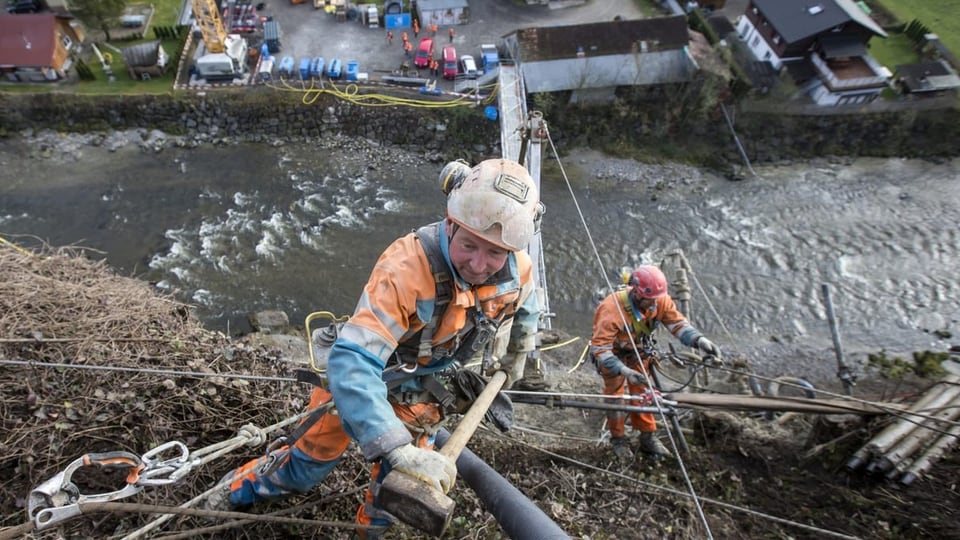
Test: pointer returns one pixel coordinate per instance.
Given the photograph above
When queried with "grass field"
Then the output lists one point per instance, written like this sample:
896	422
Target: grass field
941	16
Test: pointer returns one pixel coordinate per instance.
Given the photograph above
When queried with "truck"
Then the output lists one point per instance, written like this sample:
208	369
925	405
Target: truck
489	57
220	56
227	65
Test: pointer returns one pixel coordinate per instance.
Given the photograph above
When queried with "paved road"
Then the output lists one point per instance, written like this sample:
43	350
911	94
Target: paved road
311	32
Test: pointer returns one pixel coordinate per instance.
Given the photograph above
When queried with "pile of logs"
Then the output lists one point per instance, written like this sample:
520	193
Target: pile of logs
908	447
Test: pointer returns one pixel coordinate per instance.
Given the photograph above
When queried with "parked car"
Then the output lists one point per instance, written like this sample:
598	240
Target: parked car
424	53
336	66
24	6
449	62
468	66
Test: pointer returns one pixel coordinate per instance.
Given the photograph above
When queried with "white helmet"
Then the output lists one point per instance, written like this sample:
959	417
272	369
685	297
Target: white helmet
497	201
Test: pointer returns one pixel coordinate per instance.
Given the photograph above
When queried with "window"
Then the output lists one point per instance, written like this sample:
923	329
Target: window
66	41
756	41
776	39
766	56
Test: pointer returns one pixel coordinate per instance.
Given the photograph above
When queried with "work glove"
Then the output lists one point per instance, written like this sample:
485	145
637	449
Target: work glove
633	376
512	364
432	468
467	385
708	347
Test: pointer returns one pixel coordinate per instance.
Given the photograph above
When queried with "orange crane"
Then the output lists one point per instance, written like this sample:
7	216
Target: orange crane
211	26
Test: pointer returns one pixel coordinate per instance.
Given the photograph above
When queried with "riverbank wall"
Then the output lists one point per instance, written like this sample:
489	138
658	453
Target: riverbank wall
767	131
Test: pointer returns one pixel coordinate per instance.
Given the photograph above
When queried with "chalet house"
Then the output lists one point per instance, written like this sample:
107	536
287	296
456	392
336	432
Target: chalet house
821	43
146	60
37	47
592	60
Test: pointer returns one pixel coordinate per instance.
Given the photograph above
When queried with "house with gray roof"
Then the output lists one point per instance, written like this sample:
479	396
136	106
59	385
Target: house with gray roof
822	44
594	59
146	60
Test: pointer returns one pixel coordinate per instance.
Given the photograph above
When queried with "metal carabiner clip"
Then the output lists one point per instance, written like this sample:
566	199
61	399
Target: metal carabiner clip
158	472
58	499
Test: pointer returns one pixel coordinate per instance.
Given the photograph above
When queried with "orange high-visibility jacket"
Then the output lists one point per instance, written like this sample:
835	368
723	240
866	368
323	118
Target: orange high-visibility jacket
397	302
610	341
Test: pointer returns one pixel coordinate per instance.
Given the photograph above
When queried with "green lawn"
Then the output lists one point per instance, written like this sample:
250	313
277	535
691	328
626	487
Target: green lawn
166	13
893	51
942	17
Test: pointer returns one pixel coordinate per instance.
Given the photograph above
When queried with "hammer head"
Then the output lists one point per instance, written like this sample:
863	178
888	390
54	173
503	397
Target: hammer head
415	503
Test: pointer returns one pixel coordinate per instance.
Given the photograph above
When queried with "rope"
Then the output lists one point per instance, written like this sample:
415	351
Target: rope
656	401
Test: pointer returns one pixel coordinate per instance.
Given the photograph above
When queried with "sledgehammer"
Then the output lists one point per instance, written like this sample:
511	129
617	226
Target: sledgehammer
419	505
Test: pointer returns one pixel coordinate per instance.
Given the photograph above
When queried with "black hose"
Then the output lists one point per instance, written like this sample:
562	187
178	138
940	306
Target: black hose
519	518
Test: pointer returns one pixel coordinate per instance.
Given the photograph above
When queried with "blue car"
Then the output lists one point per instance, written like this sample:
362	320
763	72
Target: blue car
316	69
285	69
334	70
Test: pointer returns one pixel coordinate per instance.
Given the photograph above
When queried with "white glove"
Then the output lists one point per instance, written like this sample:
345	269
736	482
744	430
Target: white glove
633	376
708	347
431	468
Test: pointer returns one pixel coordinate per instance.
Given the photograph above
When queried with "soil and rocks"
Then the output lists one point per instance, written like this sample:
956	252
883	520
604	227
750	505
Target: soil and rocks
753	477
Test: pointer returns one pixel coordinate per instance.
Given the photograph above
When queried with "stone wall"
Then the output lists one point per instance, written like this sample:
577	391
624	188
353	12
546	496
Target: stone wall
768	131
256	115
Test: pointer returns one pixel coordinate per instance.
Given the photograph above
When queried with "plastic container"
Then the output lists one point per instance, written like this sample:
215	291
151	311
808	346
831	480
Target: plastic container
305	68
353	67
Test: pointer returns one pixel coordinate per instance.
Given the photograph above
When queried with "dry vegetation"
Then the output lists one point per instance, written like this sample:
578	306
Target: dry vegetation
753	478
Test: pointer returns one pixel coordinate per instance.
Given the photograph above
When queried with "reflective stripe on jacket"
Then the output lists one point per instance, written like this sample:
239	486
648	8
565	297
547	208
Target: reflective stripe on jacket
395	304
611	335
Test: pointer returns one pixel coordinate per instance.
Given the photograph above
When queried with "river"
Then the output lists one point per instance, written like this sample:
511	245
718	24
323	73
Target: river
233	229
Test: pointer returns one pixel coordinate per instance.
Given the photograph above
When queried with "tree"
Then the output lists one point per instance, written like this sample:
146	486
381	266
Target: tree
101	14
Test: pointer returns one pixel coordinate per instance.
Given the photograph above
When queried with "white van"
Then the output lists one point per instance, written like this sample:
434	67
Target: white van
468	66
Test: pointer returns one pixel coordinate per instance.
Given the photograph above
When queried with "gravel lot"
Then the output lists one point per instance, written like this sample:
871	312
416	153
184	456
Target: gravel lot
309	32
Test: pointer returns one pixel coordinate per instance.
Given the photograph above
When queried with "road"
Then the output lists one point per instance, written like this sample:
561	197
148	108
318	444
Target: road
308	32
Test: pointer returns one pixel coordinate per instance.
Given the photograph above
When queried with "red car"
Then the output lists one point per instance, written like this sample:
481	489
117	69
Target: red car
424	53
449	62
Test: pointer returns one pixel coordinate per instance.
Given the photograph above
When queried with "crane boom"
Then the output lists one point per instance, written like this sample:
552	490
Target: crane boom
211	26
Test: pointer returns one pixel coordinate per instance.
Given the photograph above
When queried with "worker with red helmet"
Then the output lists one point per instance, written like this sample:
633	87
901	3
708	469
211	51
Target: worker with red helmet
434	299
621	323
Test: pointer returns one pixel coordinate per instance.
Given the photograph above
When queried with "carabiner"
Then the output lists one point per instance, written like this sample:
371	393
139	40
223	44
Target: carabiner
168	471
58	499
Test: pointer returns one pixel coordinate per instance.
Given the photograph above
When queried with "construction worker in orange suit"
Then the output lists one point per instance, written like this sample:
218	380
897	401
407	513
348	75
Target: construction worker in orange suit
416	28
623	320
404	37
407	47
382	363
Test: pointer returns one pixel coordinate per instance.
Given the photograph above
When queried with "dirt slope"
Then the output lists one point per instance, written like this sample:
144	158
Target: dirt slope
751	476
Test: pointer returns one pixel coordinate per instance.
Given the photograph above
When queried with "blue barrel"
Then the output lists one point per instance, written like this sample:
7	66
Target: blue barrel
491	112
305	68
353	68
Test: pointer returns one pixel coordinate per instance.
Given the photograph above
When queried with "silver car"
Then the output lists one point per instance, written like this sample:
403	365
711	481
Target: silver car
468	66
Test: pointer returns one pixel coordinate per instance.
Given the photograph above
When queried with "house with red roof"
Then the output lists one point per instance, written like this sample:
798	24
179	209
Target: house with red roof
37	47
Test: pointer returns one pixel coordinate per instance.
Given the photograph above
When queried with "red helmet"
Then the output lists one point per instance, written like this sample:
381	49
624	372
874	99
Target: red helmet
648	282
